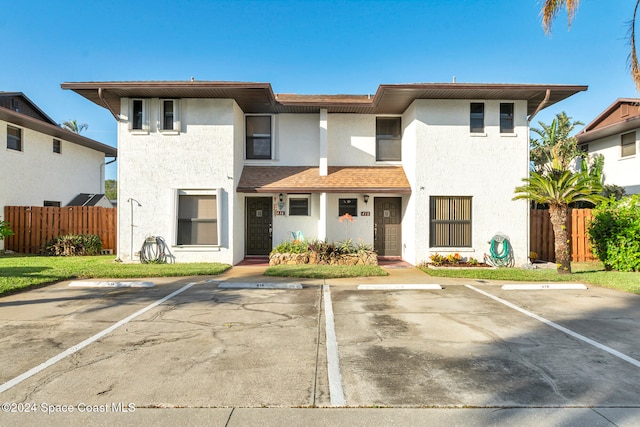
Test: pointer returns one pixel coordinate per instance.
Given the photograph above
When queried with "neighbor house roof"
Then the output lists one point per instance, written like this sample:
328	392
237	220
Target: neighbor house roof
35	112
55	131
86	199
260	98
621	116
307	179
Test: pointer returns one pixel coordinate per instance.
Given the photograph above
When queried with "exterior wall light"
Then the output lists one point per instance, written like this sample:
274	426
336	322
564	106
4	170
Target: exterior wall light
366	198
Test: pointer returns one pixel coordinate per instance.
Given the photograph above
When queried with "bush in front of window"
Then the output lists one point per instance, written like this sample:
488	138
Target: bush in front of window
74	245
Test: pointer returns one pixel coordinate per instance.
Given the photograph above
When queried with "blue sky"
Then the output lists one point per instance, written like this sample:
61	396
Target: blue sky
309	47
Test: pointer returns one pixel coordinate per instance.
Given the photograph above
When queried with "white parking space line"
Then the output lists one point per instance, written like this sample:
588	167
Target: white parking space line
559	327
233	285
400	287
543	286
68	352
336	392
103	284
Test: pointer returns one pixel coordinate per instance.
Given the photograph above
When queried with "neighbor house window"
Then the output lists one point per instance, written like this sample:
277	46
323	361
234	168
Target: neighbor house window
506	117
348	206
298	205
57	146
137	114
168	114
259	137
388	138
198	213
476	118
14	138
628	144
450	221
51	204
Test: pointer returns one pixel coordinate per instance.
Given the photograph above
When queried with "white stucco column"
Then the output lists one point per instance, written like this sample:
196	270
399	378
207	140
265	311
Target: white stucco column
323	143
322	222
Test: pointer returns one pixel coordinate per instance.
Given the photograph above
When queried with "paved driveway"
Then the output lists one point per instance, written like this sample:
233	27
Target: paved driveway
208	347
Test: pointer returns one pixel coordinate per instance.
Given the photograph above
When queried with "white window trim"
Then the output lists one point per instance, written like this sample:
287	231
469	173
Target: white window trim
197	192
176	117
299	196
273	139
145	117
375	138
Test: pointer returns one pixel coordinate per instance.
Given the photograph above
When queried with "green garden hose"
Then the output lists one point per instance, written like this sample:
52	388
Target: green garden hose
500	258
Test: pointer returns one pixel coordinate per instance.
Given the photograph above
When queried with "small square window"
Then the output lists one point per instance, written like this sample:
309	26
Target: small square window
348	206
476	118
506	117
14	138
298	205
628	144
57	146
258	132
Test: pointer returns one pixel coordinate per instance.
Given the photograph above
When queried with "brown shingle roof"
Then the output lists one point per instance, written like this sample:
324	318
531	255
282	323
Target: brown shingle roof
307	179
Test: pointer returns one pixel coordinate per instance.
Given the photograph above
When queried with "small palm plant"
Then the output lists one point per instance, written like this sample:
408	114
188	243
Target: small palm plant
558	189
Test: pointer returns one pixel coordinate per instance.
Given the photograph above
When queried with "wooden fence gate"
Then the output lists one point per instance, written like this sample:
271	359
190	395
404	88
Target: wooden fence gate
541	235
34	226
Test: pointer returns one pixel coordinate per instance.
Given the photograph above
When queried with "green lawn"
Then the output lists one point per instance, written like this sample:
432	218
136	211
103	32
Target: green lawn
592	273
19	272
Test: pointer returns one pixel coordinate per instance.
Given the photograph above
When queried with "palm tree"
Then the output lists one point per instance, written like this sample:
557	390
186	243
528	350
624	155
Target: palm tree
551	8
559	188
74	127
555	149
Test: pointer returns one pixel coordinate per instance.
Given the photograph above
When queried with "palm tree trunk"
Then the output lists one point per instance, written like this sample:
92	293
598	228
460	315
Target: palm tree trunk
558	216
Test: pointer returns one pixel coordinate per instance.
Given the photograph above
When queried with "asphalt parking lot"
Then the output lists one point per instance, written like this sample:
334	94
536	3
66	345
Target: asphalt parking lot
227	356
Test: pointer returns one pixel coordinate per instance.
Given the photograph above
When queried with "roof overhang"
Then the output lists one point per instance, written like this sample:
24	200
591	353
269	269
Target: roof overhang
260	98
340	179
55	131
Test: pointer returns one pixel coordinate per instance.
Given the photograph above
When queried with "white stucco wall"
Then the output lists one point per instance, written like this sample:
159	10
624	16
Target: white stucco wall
351	139
298	139
622	171
453	162
154	165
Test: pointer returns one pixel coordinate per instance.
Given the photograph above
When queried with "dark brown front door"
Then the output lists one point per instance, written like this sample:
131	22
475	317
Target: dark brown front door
258	212
387	222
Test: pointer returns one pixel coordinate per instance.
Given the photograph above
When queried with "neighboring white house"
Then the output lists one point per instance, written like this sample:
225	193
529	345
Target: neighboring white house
225	170
614	134
42	163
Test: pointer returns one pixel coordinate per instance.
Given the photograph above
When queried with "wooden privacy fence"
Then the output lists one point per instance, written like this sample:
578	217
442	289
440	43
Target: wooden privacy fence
34	226
541	235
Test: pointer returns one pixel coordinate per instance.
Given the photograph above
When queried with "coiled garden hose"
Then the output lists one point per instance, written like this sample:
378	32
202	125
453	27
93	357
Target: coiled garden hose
503	257
154	251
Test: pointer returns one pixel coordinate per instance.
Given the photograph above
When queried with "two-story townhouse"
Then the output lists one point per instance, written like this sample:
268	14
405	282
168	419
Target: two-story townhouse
614	134
225	170
42	163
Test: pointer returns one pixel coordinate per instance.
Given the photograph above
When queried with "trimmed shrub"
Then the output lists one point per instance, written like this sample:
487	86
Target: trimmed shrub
614	233
74	245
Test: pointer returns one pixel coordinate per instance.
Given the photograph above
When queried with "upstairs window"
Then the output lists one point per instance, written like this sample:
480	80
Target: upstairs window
137	114
388	139
348	206
51	204
506	117
476	118
258	132
168	114
450	222
57	146
628	144
14	138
